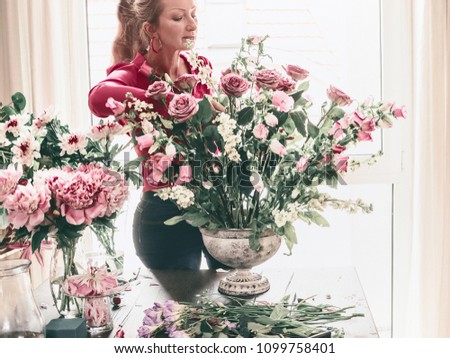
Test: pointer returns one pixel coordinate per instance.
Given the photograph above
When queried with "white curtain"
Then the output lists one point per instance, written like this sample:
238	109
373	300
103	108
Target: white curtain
429	308
44	55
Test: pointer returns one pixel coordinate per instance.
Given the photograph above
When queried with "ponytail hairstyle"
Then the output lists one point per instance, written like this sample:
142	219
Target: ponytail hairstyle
146	11
126	43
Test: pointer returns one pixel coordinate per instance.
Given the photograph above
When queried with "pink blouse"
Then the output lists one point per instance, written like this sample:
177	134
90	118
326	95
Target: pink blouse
134	77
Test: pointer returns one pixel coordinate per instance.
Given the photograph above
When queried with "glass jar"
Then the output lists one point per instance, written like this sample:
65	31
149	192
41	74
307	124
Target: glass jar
20	316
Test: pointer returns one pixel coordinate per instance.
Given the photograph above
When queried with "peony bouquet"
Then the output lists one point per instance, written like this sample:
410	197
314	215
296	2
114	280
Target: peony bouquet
54	181
259	163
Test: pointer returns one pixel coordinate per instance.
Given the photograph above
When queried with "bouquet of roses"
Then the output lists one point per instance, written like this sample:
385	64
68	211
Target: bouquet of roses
260	163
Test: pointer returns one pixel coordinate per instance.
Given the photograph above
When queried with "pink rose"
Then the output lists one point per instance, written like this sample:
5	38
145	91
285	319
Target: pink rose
27	206
302	164
234	85
157	90
296	72
116	106
145	141
278	148
185	174
286	85
183	107
282	101
339	97
267	79
186	82
261	131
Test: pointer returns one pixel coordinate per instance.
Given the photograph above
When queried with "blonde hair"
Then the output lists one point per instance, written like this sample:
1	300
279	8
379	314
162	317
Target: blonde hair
131	37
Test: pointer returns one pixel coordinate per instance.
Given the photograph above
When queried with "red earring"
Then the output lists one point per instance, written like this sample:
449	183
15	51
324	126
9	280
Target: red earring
152	45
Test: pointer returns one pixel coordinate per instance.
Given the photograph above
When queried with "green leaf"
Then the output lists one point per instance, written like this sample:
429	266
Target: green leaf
319	219
279	312
212	137
37	238
19	101
289	126
290	236
299	119
258	328
313	130
204	113
175	220
336	113
245	116
304	86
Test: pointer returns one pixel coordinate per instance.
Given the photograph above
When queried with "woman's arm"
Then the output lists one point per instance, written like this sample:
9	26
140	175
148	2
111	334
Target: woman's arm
119	82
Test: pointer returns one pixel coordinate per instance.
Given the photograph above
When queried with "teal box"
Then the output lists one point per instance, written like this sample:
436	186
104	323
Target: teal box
66	328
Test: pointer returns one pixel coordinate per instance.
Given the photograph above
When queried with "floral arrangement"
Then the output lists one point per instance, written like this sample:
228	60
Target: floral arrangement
260	163
242	319
94	286
54	181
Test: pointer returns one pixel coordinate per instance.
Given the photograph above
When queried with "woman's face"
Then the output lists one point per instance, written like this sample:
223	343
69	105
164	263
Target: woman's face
177	24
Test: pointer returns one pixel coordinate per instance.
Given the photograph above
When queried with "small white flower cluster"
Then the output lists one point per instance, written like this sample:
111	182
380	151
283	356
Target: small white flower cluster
141	106
352	206
204	72
282	217
226	128
182	195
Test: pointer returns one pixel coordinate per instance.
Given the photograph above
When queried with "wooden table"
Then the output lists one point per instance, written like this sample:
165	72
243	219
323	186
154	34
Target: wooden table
336	286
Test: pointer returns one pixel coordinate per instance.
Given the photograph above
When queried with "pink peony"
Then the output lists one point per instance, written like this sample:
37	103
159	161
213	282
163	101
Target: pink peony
9	178
278	148
261	131
234	85
27	206
282	101
183	107
117	107
339	97
81	195
296	72
157	90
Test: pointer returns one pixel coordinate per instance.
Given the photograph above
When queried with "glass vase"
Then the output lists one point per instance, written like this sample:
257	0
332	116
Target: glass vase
63	265
97	313
20	316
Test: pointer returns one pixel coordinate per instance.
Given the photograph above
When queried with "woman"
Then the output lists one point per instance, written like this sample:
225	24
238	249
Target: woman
155	33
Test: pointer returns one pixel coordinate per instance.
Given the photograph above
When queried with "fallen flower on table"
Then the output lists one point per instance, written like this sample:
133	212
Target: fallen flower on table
240	318
97	281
